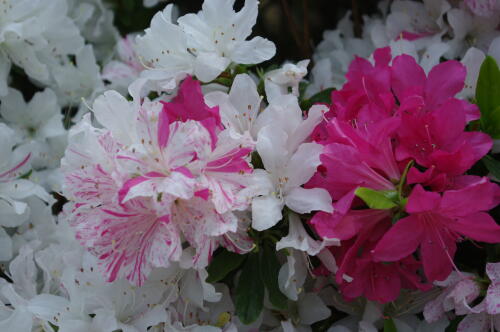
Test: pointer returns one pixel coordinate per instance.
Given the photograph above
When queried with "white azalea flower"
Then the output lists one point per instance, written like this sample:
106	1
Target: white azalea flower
288	163
28	29
238	109
278	81
298	238
470	31
163	50
74	82
37	120
217	35
95	21
13	190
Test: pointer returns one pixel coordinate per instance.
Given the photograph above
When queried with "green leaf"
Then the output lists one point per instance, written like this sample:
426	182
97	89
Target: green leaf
269	272
375	199
492	165
488	93
320	97
492	124
222	264
389	325
250	291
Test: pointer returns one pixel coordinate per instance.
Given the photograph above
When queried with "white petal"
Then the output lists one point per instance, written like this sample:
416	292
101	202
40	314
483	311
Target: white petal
4	73
118	115
303	200
266	212
312	309
209	65
271	146
303	164
254	51
5	246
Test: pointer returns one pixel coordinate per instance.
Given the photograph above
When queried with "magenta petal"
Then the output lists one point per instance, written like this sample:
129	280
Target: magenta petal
478	226
122	193
163	129
421	200
470	199
400	241
437	251
443	82
404	67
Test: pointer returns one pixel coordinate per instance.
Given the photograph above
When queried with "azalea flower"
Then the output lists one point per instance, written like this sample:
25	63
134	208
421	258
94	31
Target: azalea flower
217	36
288	164
239	108
436	222
164	174
55	34
486	315
278	81
123	71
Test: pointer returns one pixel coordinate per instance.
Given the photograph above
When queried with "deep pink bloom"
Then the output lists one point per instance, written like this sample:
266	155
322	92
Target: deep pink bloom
436	222
189	104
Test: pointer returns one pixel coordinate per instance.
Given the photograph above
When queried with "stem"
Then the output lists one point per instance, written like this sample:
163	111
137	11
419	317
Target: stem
291	23
402	182
357	19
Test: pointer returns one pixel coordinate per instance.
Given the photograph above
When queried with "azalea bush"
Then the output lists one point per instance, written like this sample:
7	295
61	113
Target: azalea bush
177	178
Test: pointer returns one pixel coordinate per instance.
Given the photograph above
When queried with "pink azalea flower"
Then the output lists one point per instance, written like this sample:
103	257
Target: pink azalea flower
432	121
436	222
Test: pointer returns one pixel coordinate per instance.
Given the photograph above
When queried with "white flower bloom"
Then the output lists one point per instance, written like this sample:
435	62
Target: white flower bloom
203	44
72	82
238	109
278	81
470	30
217	35
292	275
414	20
28	29
95	22
13	190
164	51
123	71
288	163
37	120
298	238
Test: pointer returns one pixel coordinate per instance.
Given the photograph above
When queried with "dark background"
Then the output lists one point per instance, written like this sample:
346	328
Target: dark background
295	26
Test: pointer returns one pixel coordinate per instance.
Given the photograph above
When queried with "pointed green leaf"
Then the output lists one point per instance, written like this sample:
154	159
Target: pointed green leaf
375	199
321	97
492	124
222	264
488	92
250	291
389	325
269	271
492	165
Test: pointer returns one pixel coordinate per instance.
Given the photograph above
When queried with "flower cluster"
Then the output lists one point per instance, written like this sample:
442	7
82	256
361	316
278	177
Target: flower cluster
387	139
170	180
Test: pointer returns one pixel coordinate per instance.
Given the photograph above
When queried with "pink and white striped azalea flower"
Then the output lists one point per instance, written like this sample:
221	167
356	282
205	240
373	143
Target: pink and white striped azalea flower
156	175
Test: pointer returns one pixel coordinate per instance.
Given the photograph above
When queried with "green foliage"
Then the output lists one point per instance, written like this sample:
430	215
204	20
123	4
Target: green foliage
250	291
320	97
488	97
389	325
222	264
381	200
269	273
492	165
